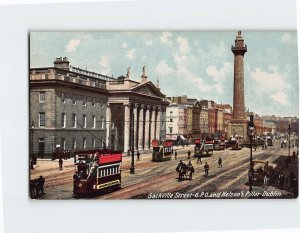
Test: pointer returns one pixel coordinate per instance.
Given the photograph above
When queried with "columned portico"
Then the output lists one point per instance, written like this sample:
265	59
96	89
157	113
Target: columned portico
126	126
158	122
141	128
147	127
134	110
108	124
135	129
153	121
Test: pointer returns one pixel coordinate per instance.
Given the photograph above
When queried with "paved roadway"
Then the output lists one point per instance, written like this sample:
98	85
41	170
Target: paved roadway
159	179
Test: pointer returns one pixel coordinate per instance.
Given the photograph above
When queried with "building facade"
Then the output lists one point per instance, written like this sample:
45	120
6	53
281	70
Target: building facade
75	109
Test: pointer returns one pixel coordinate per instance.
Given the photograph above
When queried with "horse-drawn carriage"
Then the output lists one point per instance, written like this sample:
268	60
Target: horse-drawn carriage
185	171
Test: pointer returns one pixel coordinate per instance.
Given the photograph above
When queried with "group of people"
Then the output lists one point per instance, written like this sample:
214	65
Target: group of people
181	165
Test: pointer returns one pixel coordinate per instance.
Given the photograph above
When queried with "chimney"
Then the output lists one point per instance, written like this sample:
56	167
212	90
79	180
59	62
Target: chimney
62	63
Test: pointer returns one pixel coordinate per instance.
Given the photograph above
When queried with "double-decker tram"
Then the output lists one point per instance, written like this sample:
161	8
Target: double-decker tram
96	171
162	150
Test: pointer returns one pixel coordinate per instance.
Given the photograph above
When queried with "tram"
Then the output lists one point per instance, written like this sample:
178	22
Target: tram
96	170
162	151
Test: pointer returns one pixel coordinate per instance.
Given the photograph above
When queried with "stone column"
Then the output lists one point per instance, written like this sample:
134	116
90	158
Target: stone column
147	124
126	127
141	128
158	123
108	124
153	121
135	126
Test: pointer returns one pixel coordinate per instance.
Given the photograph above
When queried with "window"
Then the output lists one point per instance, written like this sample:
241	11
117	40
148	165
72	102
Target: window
101	105
63	98
42	119
84	121
74	144
102	122
94	143
74	99
94	121
101	142
63	120
84	143
84	101
93	102
63	144
74	120
171	129
42	97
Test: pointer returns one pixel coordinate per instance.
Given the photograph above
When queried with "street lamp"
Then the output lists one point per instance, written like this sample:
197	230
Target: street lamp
250	132
289	132
132	141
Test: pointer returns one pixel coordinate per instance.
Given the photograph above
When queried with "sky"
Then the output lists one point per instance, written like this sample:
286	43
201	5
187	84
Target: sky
198	64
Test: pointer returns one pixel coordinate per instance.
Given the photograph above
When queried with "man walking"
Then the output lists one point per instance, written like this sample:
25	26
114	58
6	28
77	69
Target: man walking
206	168
60	163
138	155
189	154
175	154
220	162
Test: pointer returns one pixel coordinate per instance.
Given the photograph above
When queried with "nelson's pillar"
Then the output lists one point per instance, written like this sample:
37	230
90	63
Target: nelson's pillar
239	121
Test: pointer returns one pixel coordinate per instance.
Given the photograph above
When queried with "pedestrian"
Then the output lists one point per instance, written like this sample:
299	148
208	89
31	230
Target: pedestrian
220	162
60	163
206	168
281	180
41	184
138	155
31	164
199	158
266	179
294	155
191	169
175	154
189	154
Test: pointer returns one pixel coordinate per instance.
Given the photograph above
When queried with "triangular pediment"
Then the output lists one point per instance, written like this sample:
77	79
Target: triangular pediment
148	89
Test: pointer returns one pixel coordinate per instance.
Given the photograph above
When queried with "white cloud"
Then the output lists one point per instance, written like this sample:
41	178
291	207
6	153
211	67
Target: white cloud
271	84
124	45
219	76
163	69
165	38
72	45
130	54
218	50
280	97
288	39
149	43
105	65
184	47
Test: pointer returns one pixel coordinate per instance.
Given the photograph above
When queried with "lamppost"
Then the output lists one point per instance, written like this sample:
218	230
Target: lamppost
250	133
289	132
132	141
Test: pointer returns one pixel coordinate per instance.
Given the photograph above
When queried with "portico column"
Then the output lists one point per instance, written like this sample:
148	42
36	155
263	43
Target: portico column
158	123
153	120
141	128
108	125
147	124
126	126
135	126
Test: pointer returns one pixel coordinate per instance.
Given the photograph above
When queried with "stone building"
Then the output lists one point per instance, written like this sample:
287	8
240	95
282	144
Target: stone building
75	109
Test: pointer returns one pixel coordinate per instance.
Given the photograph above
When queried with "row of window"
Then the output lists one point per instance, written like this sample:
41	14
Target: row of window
108	171
42	99
42	121
74	143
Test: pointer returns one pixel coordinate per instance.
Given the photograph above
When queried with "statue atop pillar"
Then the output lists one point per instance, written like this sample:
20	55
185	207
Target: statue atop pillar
144	76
